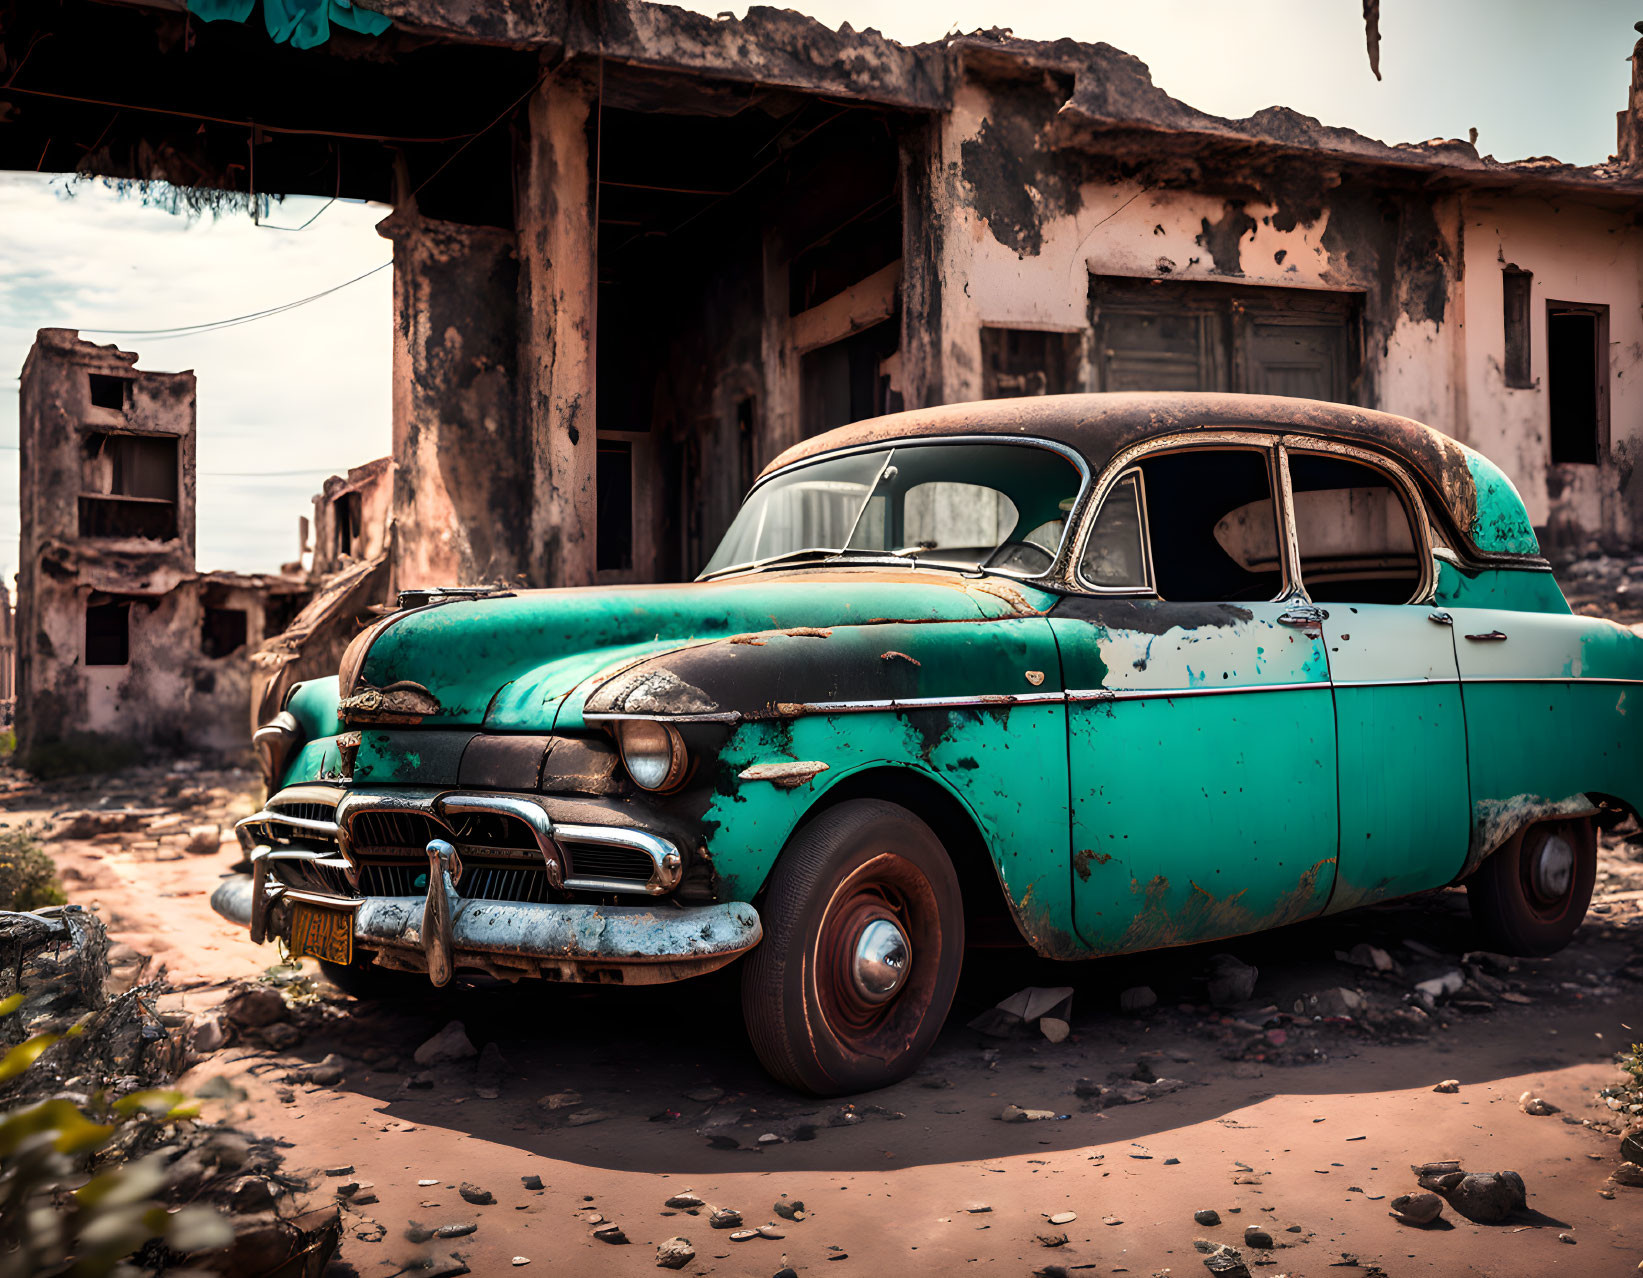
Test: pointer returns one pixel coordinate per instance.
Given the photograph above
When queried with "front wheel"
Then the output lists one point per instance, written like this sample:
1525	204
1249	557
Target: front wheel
863	940
1530	896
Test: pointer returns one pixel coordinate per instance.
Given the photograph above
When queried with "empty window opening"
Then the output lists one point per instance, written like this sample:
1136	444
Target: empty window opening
615	497
349	513
1516	287
745	440
845	381
1017	361
128	486
1213	525
1115	554
1353	532
281	610
1577	387
107	391
224	631
108	634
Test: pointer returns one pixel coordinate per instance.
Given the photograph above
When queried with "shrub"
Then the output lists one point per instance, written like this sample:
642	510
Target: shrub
28	876
80	753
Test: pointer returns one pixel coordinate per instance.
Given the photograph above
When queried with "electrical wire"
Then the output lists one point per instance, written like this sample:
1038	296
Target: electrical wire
190	330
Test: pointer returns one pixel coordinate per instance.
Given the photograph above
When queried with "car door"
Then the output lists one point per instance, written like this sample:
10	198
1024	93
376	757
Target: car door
1363	548
1201	735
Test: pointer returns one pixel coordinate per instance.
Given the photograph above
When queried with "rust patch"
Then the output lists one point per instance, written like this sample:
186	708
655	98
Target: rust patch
1082	861
808	632
399	702
752	641
893	655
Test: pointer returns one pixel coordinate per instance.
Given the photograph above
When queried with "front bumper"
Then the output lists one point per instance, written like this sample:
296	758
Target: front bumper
617	945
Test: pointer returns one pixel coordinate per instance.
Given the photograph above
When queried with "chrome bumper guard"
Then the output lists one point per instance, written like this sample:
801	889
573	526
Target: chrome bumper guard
619	945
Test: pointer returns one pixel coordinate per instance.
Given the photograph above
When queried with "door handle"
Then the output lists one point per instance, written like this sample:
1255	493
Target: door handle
1441	618
1493	636
1303	615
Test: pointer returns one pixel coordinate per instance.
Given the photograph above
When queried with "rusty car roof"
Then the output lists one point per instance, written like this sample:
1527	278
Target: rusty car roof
1483	506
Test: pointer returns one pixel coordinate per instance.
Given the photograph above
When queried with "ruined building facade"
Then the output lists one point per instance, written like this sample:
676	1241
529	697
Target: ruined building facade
123	648
638	252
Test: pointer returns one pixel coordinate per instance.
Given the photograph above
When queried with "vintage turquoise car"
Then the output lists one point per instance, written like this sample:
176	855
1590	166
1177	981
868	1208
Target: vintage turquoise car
1110	672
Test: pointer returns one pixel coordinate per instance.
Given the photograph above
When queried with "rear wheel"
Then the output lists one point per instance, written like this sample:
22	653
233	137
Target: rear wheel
1530	896
863	940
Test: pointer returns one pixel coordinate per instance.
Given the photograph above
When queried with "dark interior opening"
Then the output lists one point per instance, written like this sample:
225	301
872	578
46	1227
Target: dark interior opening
1024	361
1213	525
128	486
1353	532
224	631
108	391
279	611
108	633
843	382
1574	385
615	498
1516	288
348	511
746	442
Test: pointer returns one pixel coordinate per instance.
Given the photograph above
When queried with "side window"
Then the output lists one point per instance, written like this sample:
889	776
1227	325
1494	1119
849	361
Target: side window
1114	555
1353	532
1213	525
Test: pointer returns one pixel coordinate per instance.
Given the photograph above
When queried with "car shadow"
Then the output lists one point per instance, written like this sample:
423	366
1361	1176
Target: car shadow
661	1078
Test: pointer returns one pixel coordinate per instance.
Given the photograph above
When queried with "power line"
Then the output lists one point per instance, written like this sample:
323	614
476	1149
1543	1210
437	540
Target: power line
188	330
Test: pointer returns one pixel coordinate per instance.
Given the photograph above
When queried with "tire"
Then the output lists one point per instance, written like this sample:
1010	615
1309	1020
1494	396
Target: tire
366	981
813	1024
1525	899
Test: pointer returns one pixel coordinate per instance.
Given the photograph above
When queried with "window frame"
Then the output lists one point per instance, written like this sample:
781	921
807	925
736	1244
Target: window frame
1150	585
1195	441
1414	509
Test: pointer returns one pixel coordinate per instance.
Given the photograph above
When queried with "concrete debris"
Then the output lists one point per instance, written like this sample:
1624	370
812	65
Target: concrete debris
675	1253
1628	1174
611	1234
531	1182
1333	1002
1449	1085
1137	998
1450	982
560	1100
1024	1007
1015	1114
204	840
725	1218
1231	981
450	1044
255	1006
1054	1028
1417	1209
1366	955
1535	1106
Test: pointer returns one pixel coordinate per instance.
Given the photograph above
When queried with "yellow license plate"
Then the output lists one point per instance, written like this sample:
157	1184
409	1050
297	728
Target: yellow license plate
325	934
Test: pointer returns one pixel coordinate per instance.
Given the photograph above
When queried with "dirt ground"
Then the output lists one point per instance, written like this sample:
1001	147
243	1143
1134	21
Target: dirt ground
1303	1126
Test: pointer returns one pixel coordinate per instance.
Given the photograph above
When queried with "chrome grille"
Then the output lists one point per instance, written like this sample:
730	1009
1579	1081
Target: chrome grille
391	832
481	881
304	811
597	861
306	875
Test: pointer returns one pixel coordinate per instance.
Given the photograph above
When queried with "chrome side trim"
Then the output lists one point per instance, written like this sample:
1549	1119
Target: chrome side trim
1545	679
522	809
246	829
1393	683
719	716
669	865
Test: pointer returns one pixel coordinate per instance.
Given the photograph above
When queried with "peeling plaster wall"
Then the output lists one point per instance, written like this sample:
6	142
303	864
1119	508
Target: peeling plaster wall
1025	225
1577	254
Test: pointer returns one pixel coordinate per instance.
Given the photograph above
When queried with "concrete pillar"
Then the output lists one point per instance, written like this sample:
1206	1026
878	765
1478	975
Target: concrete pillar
461	495
1629	123
558	274
923	206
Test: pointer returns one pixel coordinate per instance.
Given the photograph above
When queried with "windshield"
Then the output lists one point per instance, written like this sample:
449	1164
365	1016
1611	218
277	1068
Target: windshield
1002	506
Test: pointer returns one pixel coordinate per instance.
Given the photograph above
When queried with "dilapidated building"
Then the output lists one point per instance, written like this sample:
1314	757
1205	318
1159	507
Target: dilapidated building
122	646
638	251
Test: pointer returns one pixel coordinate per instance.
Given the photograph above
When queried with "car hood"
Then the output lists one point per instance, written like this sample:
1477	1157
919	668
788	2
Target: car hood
526	662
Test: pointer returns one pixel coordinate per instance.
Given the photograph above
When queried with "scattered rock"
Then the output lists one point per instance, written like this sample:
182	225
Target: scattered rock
977	1209
1628	1174
592	1114
1255	1236
1054	1028
256	1006
1367	955
1417	1209
1439	986
611	1234
1489	1197
340	1171
684	1202
1052	1240
725	1218
1568	1238
560	1100
531	1182
475	1195
1631	1147
1536	1107
770	1231
281	1036
1137	998
204	840
789	1210
450	1044
1226	1263
1208	1216
1015	1114
1231	981
675	1253
459	1230
1339	1001
1063	1218
1449	1085
210	1033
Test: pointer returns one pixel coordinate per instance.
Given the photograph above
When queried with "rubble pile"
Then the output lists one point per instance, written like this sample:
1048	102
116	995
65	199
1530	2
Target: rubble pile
90	1061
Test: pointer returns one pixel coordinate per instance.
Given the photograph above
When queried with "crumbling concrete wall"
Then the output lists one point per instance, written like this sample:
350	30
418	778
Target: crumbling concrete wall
120	640
1576	254
352	517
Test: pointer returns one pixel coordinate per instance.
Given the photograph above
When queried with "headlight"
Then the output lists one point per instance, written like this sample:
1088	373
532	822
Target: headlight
653	753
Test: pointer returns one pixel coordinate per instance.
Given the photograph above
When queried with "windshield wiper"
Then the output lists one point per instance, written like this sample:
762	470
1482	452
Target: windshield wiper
811	554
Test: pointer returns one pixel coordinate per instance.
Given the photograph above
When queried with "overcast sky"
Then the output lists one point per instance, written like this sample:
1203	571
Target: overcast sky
287	400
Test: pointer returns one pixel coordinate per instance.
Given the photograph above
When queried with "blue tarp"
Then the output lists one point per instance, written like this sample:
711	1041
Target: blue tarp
304	23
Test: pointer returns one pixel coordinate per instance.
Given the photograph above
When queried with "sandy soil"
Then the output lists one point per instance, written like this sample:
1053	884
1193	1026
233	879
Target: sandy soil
1309	1137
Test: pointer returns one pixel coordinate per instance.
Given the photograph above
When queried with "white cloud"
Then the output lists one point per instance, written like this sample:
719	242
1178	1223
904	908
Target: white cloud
305	391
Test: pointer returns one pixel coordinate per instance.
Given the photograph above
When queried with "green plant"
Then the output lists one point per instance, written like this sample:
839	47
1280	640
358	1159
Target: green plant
28	876
8	745
70	1207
